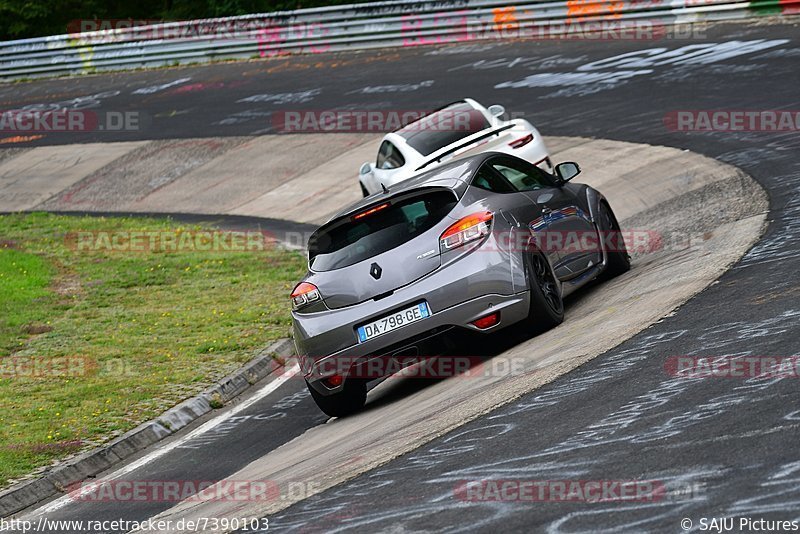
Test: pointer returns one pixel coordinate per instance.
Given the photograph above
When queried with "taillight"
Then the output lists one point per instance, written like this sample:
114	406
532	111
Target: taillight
334	381
466	229
488	321
304	293
522	141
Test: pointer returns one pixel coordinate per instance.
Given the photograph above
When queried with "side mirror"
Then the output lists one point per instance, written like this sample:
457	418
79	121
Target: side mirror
567	171
366	168
496	110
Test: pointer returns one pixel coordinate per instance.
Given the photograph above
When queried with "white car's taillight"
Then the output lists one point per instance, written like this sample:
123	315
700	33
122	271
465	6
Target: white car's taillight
522	141
304	293
465	230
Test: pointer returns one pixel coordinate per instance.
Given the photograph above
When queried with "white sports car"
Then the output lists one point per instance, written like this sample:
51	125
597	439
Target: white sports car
460	129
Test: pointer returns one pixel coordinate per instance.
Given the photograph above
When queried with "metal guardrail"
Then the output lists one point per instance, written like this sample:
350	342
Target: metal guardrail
351	27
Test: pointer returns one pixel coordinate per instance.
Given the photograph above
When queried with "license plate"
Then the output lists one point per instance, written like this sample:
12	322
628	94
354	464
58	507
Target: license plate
393	322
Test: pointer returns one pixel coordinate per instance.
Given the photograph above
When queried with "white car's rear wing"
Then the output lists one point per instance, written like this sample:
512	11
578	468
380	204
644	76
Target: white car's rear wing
470	141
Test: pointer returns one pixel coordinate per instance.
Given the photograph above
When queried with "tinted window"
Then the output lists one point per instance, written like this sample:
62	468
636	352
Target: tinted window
348	241
389	157
487	179
443	127
523	176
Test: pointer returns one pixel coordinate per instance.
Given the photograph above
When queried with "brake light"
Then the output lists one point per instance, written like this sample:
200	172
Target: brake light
488	321
371	211
334	381
522	141
466	229
304	293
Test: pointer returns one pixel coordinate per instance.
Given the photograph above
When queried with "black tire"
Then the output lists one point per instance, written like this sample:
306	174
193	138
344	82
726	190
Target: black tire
348	401
546	307
618	259
364	190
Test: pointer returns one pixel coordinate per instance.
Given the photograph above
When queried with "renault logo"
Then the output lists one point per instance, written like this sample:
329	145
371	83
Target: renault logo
375	271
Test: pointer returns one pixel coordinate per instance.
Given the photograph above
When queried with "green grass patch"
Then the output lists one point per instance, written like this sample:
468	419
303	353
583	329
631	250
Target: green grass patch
93	343
24	279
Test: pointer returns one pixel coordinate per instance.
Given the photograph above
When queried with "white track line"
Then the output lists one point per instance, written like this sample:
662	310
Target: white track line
202	429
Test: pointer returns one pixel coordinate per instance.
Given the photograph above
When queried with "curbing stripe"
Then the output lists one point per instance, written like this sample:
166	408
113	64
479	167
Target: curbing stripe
30	492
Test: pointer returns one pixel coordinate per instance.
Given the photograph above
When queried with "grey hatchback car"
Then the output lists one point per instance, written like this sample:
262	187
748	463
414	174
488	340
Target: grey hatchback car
477	244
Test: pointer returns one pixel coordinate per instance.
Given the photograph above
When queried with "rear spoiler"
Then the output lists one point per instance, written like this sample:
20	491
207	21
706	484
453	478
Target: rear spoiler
438	158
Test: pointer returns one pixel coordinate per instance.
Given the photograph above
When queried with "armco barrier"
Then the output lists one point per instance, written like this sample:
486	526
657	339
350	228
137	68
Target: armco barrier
349	27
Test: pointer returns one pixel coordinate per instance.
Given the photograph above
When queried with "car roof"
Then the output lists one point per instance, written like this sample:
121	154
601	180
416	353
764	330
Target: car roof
400	137
450	175
401	131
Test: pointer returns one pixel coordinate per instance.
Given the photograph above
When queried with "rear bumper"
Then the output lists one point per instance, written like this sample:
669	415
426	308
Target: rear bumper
425	338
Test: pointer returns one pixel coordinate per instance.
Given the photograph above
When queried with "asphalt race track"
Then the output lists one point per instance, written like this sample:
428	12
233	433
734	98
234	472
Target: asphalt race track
724	447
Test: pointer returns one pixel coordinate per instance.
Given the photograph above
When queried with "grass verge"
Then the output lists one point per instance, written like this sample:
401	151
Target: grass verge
94	342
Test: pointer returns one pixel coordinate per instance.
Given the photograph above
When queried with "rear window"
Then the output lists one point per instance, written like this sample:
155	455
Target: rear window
350	240
389	157
443	127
